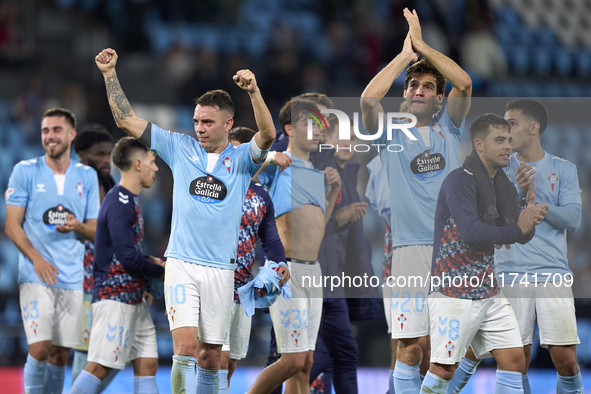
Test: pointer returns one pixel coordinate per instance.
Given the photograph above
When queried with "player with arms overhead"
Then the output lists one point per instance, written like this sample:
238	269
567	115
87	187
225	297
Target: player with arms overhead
415	175
211	177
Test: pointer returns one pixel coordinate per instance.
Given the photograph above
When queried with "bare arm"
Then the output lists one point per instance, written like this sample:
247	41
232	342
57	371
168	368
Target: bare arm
13	228
122	112
460	80
333	180
379	86
246	80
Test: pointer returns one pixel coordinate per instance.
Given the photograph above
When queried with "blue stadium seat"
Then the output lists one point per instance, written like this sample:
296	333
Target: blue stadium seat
564	62
542	61
583	63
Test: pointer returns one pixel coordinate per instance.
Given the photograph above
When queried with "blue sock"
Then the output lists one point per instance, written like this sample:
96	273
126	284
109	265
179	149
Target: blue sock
508	382
182	375
86	383
463	373
391	389
145	385
78	364
224	387
570	384
106	381
406	378
54	383
433	384
525	382
34	375
208	381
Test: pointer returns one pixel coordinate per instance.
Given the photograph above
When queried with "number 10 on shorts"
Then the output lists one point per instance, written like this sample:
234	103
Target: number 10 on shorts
176	295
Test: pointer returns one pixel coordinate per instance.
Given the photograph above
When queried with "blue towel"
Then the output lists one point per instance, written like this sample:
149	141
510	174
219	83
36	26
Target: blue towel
269	279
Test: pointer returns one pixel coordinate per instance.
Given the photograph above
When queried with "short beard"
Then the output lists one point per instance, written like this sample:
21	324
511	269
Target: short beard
58	154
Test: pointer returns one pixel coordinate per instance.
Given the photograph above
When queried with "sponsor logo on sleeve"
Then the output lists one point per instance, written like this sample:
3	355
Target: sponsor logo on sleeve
8	193
56	216
208	190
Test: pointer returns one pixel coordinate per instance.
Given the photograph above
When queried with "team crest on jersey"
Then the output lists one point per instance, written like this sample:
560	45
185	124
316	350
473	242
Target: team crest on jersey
427	165
117	353
436	128
56	216
295	335
402	319
171	312
79	189
8	193
228	163
208	190
34	327
449	346
553	180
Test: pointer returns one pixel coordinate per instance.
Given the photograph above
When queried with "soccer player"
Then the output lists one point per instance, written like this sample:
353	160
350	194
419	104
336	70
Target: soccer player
211	177
51	202
477	207
556	184
258	221
93	145
302	208
415	175
122	326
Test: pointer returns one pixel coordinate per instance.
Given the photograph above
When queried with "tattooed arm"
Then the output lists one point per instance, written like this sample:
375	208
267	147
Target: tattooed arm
122	112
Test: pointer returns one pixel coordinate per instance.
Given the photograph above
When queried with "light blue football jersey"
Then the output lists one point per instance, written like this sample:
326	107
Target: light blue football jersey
32	185
415	175
556	183
378	189
297	185
206	206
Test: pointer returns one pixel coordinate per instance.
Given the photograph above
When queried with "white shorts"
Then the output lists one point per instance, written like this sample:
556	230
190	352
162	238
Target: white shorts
409	286
485	325
121	333
296	321
387	298
199	296
237	343
51	314
556	316
86	326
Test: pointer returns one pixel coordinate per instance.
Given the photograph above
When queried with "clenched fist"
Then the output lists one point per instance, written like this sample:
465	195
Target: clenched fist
106	60
245	80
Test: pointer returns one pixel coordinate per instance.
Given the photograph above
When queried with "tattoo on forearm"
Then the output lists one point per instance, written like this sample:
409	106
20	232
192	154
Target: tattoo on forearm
119	104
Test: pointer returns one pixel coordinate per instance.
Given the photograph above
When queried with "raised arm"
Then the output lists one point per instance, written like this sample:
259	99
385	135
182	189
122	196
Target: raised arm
379	86
122	112
13	228
246	80
460	80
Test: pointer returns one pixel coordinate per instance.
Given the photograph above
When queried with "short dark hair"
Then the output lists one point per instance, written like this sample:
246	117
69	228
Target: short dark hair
217	98
93	134
424	67
318	98
481	125
66	113
532	108
293	110
124	150
241	134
